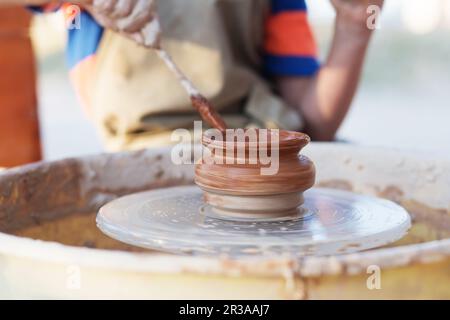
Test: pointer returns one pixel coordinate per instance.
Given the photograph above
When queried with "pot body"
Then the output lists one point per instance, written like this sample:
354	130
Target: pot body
259	178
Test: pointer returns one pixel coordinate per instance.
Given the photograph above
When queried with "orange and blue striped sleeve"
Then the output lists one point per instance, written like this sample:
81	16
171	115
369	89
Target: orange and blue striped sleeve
82	46
51	6
82	42
290	48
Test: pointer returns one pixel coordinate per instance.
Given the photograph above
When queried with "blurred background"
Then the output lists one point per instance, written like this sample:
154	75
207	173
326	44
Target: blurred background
403	99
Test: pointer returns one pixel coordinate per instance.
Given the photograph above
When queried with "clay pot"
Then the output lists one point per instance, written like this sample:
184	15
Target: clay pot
240	183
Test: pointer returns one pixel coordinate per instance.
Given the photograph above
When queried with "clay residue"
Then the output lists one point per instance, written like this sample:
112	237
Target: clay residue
207	112
32	194
78	230
35	194
392	193
106	177
438	219
429	224
336	184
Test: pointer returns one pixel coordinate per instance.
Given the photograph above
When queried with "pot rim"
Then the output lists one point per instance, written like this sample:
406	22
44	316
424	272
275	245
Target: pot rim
286	139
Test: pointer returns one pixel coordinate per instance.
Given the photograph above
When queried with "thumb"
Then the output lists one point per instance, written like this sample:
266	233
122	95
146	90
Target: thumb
149	36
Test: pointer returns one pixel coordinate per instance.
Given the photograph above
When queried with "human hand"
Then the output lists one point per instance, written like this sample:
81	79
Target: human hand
137	19
353	16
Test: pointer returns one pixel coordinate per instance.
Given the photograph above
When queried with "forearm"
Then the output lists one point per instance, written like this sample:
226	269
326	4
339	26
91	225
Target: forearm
324	100
329	95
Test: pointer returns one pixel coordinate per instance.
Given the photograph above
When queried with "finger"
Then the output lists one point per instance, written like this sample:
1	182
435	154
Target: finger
102	20
152	33
141	15
136	37
105	7
149	36
135	22
123	9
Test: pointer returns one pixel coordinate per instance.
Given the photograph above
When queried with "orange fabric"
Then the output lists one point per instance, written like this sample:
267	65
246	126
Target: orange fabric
69	12
19	122
81	77
289	33
51	6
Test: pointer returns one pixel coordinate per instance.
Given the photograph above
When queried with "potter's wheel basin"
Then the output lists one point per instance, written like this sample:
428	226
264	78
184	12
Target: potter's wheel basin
48	230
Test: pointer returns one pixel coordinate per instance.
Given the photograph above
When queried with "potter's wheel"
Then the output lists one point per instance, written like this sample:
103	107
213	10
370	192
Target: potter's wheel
177	220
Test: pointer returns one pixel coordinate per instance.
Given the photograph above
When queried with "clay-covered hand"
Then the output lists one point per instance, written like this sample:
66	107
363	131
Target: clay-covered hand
357	16
136	19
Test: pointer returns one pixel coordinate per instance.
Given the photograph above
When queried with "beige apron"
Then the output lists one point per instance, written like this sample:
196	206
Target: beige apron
137	101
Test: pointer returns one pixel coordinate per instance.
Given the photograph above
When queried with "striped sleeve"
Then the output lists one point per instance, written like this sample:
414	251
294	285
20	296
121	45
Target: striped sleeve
84	36
290	47
51	6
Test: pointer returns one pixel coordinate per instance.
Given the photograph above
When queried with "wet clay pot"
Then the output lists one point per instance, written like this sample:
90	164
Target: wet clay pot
239	181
